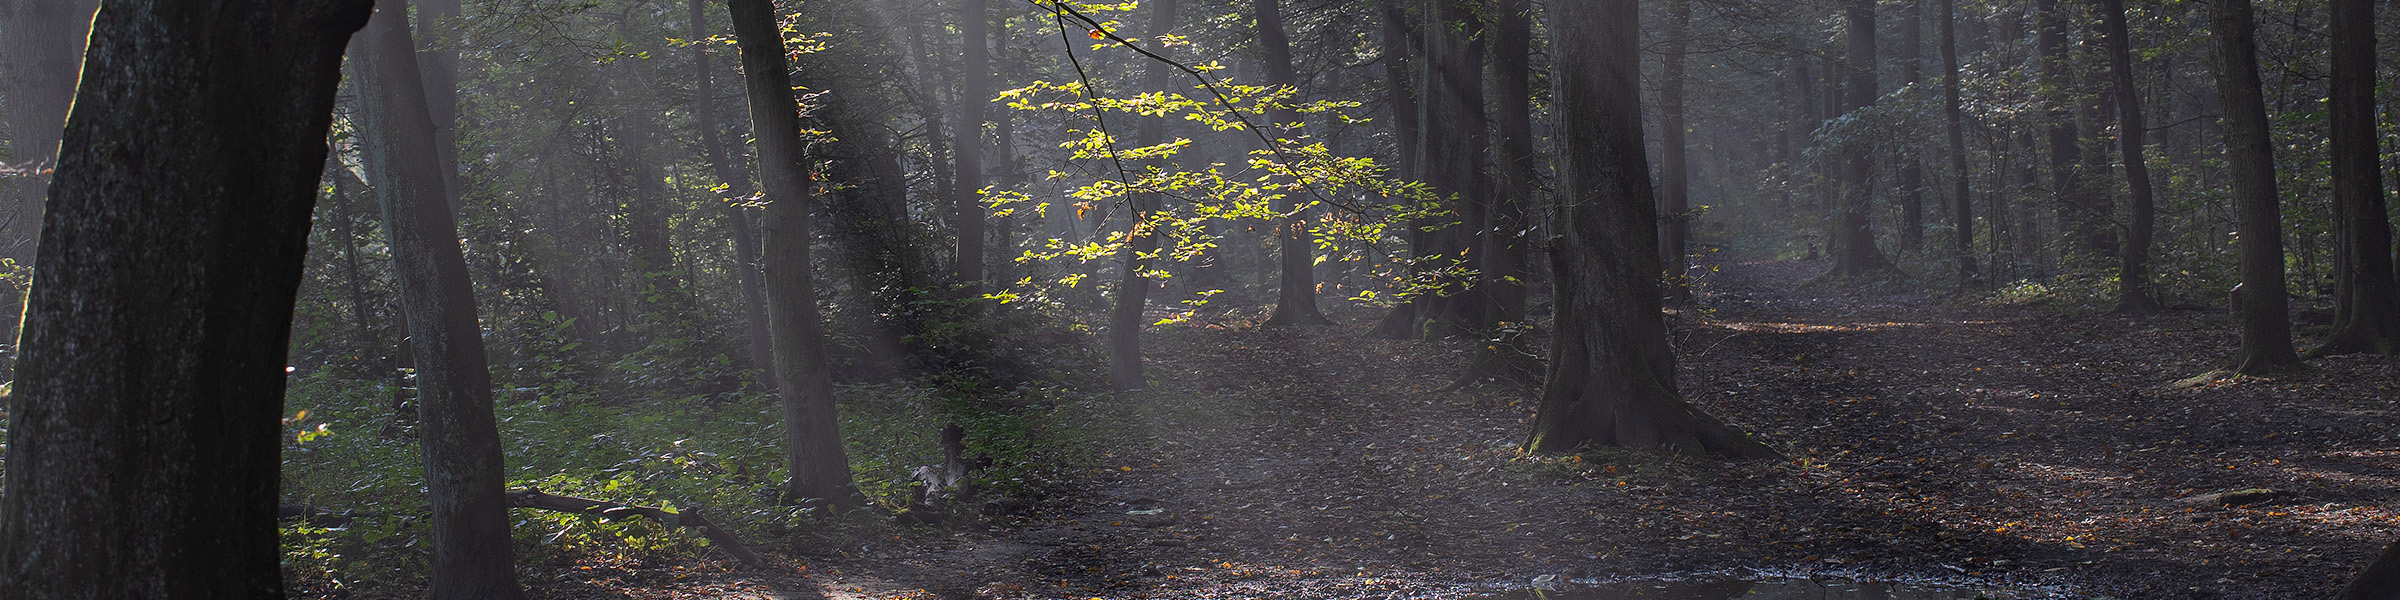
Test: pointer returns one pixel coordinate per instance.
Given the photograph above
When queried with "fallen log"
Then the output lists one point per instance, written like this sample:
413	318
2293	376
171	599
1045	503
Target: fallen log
537	499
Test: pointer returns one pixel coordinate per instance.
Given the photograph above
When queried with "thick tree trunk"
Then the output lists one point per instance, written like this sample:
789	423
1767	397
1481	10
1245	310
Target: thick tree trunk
143	446
1856	260
2134	291
1133	290
473	557
820	469
1612	373
2366	300
737	186
1505	353
1912	167
1296	296
2250	160
1961	178
974	92
1674	182
2380	580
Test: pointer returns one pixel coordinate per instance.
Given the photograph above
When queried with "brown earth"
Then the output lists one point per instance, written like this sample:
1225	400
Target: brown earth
1994	446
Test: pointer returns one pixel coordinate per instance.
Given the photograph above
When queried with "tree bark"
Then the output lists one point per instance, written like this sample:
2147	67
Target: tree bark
1961	185
473	557
1674	182
2076	205
1612	373
1856	260
1296	299
143	428
2134	290
2250	161
1133	290
1912	167
820	469
974	92
737	186
2366	300
2380	580
1505	353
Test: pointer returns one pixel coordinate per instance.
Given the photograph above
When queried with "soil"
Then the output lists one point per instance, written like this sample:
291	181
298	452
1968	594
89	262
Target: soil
1996	446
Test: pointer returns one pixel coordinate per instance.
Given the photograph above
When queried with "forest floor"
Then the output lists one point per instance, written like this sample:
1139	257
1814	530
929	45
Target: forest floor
1995	446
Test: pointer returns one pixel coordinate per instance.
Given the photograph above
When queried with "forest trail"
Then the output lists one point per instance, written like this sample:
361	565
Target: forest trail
1990	445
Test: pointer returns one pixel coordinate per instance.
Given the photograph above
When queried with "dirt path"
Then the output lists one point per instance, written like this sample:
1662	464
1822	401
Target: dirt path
1992	445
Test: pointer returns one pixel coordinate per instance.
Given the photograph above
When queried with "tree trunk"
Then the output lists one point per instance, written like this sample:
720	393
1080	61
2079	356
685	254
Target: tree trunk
1505	353
820	469
2083	224
974	92
2134	291
1961	178
1912	167
143	430
2380	580
2366	301
1133	290
737	186
353	280
1856	260
1674	182
440	21
1296	299
1612	374
473	557
2250	160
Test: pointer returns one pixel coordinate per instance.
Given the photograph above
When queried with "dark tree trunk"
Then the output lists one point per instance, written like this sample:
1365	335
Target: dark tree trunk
1296	297
2366	301
974	92
442	27
1133	291
1912	167
41	48
473	557
2083	223
2134	292
1505	353
1674	182
1855	257
1450	161
1612	373
353	281
144	442
1960	177
820	469
2250	160
1399	42
737	186
2381	579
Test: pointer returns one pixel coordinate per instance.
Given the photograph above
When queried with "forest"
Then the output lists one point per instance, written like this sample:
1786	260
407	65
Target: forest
1122	299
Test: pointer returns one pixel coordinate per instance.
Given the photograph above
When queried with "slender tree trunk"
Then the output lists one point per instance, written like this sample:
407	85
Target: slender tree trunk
1912	167
2366	301
1612	373
1141	244
353	281
1399	43
473	557
820	469
1505	353
1856	259
1296	300
737	186
2081	223
2134	291
1961	185
1674	182
144	443
974	92
2250	160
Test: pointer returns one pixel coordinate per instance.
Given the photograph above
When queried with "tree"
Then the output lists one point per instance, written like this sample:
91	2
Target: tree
1963	211
1612	371
1501	281
737	185
473	557
1855	257
144	440
2366	299
2133	275
2380	580
2250	161
1674	183
1296	300
820	468
1133	290
2079	210
974	92
1912	167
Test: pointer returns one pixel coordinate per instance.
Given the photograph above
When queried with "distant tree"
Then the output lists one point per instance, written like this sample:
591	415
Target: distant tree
1963	207
1505	253
2134	289
1674	179
974	93
2366	299
144	440
1855	256
473	557
737	185
1912	166
2082	212
820	468
1296	299
1450	160
1133	290
1612	370
2250	160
